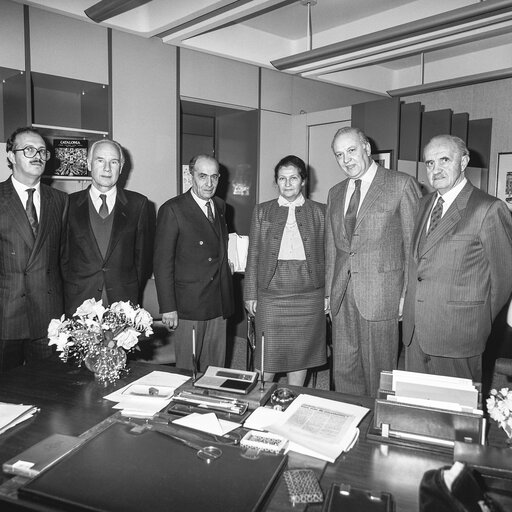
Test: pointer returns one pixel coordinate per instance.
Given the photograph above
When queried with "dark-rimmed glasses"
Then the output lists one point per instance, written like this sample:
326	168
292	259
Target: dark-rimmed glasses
31	152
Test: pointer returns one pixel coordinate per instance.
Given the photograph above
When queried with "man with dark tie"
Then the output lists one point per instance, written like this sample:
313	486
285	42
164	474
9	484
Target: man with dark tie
460	268
369	222
106	252
31	217
192	272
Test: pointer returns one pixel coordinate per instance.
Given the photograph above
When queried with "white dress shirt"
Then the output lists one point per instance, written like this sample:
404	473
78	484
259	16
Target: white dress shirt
448	198
366	181
96	199
202	204
292	247
21	190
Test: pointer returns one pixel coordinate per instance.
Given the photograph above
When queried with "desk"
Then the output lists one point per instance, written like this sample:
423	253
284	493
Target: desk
71	403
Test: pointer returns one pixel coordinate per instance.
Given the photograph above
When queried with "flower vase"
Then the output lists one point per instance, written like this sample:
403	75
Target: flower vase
106	363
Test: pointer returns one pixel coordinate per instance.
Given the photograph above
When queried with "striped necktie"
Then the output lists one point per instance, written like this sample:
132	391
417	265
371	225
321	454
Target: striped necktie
31	211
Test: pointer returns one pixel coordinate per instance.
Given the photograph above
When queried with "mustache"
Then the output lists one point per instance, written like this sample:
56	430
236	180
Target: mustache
36	161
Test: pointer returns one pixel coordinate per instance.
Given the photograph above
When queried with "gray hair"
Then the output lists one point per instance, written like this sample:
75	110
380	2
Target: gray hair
352	130
105	141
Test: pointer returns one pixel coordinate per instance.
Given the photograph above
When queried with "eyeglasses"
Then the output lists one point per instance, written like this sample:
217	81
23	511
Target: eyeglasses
31	152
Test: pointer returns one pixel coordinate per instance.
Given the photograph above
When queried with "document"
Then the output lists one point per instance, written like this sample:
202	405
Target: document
207	423
13	414
324	428
147	395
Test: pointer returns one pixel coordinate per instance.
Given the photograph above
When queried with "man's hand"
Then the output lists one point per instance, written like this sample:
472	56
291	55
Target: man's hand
231	267
251	305
170	320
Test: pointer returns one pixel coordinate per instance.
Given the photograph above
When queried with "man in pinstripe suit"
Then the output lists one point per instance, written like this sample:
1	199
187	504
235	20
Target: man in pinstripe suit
31	216
460	269
369	223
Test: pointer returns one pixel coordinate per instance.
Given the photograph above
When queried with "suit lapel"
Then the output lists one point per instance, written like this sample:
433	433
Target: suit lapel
373	193
15	210
343	197
119	221
419	234
449	219
46	220
84	224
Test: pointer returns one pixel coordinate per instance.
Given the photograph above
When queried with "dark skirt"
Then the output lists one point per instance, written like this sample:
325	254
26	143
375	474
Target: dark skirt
291	315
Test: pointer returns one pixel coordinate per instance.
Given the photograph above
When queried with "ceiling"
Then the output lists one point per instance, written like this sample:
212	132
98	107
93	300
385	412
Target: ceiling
380	46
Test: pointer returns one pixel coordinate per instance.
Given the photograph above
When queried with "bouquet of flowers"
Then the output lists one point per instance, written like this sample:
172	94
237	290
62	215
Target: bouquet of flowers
499	406
100	336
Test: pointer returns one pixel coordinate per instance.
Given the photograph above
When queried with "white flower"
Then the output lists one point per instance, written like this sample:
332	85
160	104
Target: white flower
61	341
55	326
124	307
127	339
90	309
143	321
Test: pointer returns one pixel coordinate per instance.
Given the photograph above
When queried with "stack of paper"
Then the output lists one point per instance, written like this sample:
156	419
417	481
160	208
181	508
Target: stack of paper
12	414
439	391
148	395
320	427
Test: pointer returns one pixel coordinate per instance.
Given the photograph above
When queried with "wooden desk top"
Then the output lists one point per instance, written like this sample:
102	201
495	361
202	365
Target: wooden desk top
72	402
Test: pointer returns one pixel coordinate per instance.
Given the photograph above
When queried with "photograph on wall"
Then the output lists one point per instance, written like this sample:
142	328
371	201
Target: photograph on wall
504	179
383	158
70	158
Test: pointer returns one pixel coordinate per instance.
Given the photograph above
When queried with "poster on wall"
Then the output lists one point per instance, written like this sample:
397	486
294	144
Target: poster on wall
504	178
71	158
186	178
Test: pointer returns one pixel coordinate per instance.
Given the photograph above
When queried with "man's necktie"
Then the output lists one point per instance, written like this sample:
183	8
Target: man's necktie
353	205
103	208
31	211
436	215
209	212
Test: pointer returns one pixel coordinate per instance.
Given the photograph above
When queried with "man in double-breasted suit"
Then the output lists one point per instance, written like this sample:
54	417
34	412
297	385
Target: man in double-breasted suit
105	252
192	272
31	217
460	268
369	222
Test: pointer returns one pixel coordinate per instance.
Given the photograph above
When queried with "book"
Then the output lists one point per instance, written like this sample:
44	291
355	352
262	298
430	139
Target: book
71	156
320	427
41	455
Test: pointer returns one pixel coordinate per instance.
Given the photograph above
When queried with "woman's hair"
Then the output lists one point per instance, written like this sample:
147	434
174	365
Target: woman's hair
294	161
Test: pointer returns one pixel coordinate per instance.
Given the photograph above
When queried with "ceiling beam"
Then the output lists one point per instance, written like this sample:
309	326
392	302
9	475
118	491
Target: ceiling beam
106	9
481	12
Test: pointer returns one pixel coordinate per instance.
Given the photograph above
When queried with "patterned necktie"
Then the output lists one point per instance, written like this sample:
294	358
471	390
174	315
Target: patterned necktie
103	208
209	212
353	205
436	215
31	211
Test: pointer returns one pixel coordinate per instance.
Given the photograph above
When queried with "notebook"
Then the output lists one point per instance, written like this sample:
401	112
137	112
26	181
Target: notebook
126	472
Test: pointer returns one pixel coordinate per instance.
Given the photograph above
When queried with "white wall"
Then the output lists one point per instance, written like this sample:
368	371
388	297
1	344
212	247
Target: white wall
145	112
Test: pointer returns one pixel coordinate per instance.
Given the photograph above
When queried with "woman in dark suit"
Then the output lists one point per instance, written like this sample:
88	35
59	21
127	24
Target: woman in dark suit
284	277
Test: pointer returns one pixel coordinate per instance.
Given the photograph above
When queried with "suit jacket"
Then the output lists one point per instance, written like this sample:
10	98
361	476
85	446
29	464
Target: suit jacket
460	276
375	260
124	269
267	227
30	280
190	261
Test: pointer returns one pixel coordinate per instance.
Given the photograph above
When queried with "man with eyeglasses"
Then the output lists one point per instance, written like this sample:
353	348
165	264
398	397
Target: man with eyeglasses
106	248
192	272
31	218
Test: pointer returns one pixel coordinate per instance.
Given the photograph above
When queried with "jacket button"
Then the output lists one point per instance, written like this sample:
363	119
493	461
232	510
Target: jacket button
201	242
420	279
209	259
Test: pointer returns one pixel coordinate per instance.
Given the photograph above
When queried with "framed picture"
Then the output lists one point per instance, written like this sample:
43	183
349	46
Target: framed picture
504	178
383	158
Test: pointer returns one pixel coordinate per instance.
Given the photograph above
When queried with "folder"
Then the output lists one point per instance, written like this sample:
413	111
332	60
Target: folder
121	470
